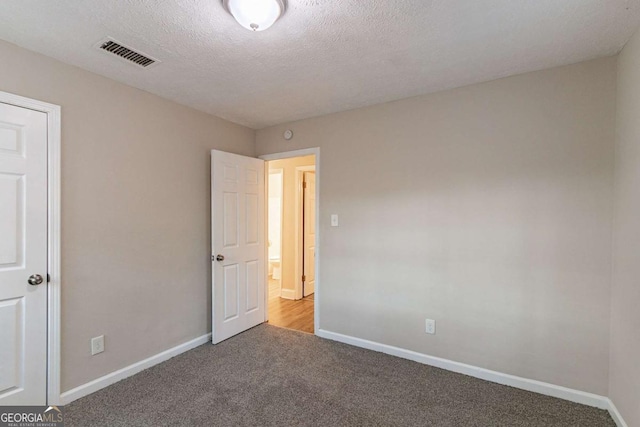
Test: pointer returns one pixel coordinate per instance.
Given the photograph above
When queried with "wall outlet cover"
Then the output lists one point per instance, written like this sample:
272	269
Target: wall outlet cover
97	345
430	326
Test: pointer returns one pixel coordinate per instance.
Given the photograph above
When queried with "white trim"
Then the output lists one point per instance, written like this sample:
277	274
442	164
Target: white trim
299	153
299	226
535	386
615	414
290	154
109	379
287	293
53	235
278	294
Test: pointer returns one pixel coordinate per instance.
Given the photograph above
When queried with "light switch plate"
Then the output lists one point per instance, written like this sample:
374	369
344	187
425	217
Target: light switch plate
334	220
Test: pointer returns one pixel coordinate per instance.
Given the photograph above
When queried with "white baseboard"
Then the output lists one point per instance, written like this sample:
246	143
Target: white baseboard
535	386
547	389
288	294
102	382
617	417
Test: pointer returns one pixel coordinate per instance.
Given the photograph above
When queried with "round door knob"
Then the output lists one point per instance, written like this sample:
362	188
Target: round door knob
220	258
35	279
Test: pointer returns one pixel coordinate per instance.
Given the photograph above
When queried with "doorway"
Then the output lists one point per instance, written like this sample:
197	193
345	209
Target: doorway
291	225
239	244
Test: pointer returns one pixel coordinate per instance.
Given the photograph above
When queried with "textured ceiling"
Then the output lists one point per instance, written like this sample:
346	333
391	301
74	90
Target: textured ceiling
323	56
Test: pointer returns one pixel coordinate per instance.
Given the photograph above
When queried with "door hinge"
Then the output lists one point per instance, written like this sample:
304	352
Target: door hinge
304	278
48	278
304	184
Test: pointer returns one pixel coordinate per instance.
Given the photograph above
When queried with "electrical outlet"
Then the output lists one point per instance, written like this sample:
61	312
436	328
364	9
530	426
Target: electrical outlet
430	326
97	345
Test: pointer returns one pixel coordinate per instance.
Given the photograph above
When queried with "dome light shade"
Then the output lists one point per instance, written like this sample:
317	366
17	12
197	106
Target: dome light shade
255	15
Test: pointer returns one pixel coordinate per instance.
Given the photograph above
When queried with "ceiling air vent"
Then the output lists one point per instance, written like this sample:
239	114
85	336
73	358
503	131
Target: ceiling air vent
126	53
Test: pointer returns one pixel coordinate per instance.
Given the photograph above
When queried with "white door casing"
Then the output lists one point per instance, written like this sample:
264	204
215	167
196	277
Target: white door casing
318	170
309	227
238	236
23	252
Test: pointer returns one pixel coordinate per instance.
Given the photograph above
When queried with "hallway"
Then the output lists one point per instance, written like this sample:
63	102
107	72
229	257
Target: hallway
290	314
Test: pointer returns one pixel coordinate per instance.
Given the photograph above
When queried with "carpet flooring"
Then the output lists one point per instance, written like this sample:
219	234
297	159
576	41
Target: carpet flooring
270	376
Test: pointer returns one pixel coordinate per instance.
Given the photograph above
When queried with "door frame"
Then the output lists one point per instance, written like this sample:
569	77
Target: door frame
299	224
318	289
53	113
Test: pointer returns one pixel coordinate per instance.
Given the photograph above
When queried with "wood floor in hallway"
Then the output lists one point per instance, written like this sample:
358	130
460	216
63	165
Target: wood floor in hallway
290	314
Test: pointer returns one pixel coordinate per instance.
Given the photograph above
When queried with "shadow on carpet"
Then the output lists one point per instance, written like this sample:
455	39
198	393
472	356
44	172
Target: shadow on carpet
270	376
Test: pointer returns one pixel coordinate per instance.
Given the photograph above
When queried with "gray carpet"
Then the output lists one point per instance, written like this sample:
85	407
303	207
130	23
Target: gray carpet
269	376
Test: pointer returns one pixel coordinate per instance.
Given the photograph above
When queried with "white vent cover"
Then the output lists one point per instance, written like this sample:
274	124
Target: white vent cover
125	53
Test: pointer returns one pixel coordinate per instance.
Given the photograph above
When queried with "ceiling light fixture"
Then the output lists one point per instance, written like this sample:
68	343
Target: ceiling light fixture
255	15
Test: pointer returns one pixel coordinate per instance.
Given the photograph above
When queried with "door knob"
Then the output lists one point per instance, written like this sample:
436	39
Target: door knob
220	258
35	279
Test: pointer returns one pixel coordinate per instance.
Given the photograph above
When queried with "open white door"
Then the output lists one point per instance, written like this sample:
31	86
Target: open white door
23	256
309	283
237	243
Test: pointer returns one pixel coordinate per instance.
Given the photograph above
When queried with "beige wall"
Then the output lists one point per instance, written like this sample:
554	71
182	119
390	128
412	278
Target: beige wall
289	209
625	312
487	208
135	212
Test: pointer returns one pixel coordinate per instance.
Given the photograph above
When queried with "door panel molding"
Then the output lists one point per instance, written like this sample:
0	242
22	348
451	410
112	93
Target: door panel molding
53	235
238	207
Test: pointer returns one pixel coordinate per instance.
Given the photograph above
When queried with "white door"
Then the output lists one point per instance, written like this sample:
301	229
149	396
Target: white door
238	243
23	253
309	284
